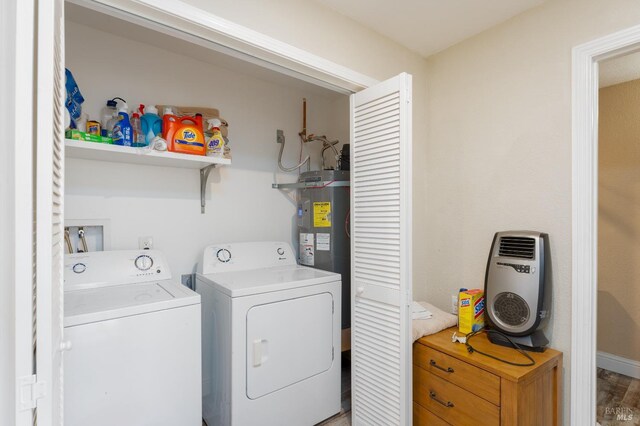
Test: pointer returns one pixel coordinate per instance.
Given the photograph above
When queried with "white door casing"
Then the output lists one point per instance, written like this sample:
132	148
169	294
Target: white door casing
381	253
49	209
204	27
16	212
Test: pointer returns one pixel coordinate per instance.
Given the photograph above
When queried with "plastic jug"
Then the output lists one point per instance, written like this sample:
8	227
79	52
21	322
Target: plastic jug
184	134
168	129
151	122
122	130
108	116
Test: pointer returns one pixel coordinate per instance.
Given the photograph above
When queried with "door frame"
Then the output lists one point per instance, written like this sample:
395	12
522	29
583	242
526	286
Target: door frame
584	285
208	30
16	214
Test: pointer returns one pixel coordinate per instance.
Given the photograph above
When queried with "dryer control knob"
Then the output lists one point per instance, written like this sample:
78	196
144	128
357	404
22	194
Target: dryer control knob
223	255
79	268
143	262
280	251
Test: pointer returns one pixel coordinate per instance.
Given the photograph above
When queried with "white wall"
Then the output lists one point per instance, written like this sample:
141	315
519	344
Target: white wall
499	150
165	202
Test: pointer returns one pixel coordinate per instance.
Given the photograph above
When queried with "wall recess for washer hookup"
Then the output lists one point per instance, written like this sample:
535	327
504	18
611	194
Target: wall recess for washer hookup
96	233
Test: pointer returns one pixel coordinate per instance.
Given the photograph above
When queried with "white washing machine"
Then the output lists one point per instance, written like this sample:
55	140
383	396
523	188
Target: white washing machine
135	333
271	337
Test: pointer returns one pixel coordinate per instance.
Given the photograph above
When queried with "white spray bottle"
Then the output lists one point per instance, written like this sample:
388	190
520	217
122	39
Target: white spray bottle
215	142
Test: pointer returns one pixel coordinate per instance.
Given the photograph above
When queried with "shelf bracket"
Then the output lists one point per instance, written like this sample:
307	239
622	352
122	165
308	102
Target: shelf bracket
204	177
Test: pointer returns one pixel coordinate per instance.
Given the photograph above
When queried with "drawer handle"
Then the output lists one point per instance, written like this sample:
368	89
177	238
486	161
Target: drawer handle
446	370
433	396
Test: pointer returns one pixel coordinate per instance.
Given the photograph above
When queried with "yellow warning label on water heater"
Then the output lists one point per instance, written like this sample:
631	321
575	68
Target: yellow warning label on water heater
322	215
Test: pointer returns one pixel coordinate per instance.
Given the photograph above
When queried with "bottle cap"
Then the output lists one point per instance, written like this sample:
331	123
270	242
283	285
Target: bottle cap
214	122
151	110
168	110
136	115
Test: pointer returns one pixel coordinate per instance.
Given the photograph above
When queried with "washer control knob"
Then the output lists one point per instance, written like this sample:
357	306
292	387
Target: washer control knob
280	251
79	268
143	262
223	255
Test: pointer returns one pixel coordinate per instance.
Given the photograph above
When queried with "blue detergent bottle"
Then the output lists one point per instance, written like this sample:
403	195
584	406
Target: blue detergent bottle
122	130
151	123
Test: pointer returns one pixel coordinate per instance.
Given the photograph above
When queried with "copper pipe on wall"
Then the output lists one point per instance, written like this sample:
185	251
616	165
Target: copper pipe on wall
67	240
304	119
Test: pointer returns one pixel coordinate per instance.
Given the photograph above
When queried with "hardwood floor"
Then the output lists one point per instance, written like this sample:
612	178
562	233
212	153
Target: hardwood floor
618	399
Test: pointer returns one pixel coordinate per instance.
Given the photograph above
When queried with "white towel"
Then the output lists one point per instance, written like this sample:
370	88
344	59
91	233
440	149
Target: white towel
439	321
419	312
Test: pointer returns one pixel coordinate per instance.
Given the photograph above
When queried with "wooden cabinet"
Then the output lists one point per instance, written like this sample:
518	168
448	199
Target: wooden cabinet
453	387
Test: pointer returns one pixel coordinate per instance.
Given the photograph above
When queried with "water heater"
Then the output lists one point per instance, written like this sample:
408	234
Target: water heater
323	227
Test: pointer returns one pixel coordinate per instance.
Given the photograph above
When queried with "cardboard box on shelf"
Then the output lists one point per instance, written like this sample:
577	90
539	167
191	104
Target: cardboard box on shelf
84	136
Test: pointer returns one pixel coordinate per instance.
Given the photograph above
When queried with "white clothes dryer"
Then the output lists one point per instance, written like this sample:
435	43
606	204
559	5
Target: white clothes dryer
271	337
135	333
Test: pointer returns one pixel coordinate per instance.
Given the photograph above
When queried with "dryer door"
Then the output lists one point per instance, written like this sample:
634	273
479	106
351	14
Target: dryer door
287	342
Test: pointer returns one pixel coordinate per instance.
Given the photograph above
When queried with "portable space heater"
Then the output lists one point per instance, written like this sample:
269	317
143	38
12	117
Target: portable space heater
517	289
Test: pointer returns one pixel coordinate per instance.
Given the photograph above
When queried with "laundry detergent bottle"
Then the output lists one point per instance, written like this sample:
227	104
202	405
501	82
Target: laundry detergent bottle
168	126
184	134
151	122
122	130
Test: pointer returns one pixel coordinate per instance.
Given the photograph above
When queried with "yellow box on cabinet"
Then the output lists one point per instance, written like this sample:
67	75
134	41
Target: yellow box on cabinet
470	310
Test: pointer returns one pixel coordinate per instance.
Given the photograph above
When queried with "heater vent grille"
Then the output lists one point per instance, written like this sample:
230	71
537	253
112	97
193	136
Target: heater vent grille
520	247
511	309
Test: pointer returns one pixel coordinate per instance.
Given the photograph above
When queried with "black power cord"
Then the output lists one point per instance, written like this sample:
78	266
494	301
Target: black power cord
517	347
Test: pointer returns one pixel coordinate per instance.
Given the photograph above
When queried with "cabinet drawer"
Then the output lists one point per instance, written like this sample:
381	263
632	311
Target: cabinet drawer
451	402
424	417
475	380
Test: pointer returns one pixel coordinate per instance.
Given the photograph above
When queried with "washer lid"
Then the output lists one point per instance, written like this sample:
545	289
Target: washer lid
265	280
105	303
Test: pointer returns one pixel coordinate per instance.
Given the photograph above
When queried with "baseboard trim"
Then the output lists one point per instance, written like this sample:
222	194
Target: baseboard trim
617	364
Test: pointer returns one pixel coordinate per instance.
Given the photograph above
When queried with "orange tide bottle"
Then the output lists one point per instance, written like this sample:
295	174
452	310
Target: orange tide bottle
184	134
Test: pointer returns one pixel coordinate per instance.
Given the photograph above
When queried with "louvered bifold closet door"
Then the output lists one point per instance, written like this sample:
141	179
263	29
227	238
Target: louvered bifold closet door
49	209
381	253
